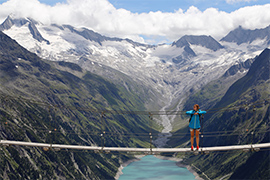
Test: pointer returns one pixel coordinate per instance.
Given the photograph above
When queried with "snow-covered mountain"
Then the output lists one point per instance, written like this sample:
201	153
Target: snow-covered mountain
174	70
204	41
241	36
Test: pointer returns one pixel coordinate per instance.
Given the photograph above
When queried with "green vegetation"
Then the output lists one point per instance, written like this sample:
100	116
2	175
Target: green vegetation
37	96
238	116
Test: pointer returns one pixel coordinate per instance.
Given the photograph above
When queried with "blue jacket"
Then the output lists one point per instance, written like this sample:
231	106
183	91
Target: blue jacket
195	120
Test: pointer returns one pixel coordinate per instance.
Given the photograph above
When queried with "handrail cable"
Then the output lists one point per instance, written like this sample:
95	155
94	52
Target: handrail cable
136	112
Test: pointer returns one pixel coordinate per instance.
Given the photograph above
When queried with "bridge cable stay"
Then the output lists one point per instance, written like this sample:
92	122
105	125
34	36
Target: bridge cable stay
50	126
127	134
150	132
202	116
102	115
206	134
213	110
254	117
147	112
150	125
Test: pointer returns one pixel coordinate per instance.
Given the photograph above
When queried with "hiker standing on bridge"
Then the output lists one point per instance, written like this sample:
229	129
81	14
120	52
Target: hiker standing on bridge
195	124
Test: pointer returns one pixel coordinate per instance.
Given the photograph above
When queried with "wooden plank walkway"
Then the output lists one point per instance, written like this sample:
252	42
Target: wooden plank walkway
254	147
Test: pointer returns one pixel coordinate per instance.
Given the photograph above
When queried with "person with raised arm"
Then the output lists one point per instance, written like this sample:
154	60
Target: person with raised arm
195	124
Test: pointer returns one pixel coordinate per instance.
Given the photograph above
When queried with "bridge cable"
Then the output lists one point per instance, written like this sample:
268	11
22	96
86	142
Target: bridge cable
150	132
102	115
131	112
202	116
254	117
51	120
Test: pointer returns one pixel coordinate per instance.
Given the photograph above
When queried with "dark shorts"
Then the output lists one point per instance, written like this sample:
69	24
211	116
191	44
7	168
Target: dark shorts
195	129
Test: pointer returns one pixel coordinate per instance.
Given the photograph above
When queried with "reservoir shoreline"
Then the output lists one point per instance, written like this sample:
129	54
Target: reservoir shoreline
125	164
177	160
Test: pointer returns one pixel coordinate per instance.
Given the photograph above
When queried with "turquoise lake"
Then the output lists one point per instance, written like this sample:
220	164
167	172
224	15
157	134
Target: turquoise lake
152	168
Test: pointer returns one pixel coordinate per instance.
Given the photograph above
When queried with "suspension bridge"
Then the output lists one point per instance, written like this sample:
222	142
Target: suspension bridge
151	149
57	147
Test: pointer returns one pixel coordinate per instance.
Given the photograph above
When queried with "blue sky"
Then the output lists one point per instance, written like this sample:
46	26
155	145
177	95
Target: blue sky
150	21
145	6
139	6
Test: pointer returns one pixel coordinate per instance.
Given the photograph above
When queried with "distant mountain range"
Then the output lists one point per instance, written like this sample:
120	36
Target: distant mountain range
241	35
171	70
86	33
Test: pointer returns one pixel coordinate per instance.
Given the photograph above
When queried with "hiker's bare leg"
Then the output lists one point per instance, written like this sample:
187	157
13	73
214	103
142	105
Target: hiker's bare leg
192	136
197	137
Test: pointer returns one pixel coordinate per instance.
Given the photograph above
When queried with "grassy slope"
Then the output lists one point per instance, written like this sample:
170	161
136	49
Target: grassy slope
36	97
245	109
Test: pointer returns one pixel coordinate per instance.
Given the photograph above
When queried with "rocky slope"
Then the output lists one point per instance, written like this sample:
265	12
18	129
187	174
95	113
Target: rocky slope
59	102
240	116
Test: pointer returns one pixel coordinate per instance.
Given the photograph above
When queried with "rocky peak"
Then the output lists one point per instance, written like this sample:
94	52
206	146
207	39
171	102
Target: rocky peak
7	24
241	35
205	41
10	21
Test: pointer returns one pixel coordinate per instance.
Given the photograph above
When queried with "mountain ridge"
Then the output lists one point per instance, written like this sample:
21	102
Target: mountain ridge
203	40
241	35
9	22
241	116
41	102
252	77
186	40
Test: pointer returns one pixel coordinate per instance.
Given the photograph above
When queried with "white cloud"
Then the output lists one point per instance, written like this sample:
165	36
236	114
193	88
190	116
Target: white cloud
103	17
